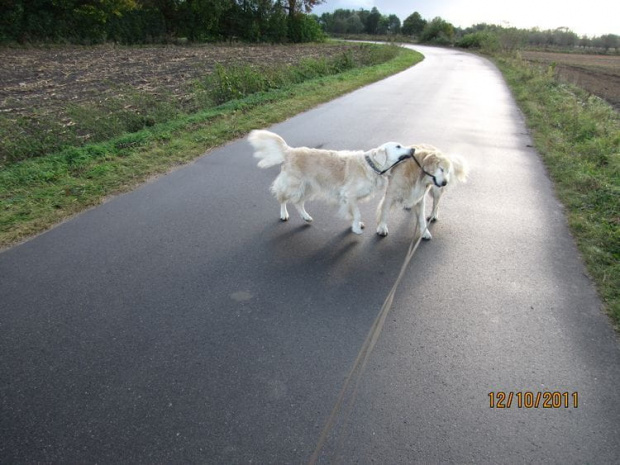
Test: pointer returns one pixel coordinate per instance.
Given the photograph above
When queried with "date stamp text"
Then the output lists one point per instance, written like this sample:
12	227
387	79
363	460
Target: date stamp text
528	399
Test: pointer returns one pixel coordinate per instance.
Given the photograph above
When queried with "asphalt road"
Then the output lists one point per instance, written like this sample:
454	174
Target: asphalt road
183	322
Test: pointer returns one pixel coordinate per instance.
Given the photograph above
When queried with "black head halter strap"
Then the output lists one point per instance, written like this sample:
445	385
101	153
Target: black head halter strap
378	170
426	172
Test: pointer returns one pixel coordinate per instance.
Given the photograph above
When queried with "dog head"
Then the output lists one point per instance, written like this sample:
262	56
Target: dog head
446	169
440	168
390	154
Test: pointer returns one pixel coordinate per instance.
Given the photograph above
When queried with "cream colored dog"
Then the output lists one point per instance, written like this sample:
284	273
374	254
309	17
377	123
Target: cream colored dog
344	176
408	185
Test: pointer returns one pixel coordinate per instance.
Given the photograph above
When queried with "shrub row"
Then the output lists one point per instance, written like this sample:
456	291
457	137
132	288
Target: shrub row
233	82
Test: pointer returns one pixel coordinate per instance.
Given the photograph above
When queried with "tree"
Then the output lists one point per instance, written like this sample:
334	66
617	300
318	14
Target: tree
393	24
304	28
438	31
413	25
354	24
301	6
610	41
363	15
382	27
276	26
372	21
200	19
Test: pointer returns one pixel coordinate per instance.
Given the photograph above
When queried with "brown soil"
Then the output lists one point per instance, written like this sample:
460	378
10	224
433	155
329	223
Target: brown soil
598	74
46	79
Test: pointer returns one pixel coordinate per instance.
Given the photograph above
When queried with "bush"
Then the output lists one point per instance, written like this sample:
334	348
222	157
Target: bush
234	82
438	31
239	81
304	28
483	40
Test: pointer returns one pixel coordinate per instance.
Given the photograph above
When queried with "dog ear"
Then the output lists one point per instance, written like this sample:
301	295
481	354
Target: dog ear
379	156
430	162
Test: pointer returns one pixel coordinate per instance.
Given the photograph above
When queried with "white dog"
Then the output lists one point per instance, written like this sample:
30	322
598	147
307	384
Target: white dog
408	185
344	176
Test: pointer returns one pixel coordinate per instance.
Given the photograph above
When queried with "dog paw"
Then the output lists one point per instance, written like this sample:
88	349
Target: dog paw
382	230
284	218
357	230
362	225
427	236
308	219
432	219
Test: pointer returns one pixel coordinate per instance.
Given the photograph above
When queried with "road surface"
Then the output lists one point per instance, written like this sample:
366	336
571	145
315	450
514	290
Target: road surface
183	322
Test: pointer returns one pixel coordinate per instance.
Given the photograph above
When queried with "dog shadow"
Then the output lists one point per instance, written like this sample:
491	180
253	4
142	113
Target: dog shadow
338	247
313	247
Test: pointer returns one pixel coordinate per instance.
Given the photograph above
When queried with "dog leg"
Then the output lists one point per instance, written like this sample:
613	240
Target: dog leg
280	189
283	212
357	224
302	211
436	193
382	214
410	202
420	210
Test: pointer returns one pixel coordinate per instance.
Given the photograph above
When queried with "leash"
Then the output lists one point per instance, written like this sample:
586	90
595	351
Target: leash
356	372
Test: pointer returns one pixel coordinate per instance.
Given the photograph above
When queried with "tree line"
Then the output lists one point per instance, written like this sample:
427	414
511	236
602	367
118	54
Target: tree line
441	32
496	37
359	22
276	21
144	21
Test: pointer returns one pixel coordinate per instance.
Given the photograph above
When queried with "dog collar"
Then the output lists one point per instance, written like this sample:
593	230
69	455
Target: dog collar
374	167
425	172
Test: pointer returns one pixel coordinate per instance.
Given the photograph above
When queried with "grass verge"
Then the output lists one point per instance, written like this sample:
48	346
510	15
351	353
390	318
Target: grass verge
578	137
37	193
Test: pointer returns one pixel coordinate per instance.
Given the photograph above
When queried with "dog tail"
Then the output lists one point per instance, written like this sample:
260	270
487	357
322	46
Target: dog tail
461	168
269	147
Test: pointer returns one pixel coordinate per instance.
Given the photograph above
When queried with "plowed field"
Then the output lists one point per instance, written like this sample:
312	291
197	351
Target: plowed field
47	79
598	74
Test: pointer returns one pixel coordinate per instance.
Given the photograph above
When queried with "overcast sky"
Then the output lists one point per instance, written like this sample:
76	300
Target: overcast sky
584	17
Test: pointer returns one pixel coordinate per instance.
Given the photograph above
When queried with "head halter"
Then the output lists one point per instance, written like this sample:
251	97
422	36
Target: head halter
426	172
378	170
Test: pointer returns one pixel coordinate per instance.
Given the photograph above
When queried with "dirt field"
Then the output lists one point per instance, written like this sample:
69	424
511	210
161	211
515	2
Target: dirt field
598	74
46	79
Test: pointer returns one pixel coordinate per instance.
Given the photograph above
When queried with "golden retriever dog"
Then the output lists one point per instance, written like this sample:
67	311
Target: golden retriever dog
345	177
409	181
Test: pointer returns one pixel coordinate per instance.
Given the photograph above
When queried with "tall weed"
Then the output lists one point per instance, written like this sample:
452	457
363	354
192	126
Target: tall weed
238	81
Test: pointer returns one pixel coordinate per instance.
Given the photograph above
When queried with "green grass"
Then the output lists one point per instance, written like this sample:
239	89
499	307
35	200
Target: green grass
578	137
37	193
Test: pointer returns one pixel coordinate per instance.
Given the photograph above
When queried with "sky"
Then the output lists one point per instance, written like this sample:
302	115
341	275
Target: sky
584	17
